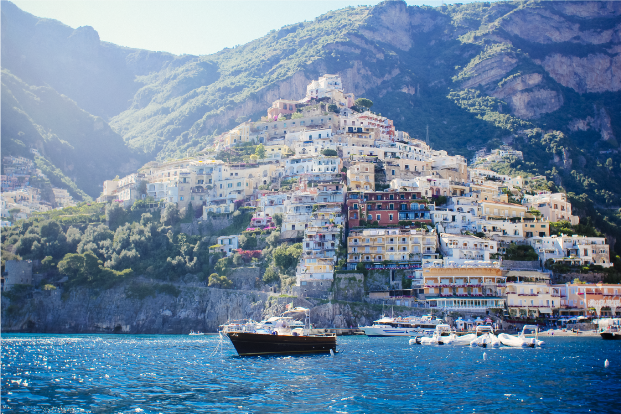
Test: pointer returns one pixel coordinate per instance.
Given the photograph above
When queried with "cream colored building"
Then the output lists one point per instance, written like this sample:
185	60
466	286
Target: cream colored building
361	176
377	245
532	299
553	207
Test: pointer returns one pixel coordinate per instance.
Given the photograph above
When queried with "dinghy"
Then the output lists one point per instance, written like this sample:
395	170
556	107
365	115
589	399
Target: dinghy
485	337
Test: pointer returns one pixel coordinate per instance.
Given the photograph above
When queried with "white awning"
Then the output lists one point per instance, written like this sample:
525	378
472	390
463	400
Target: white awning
545	310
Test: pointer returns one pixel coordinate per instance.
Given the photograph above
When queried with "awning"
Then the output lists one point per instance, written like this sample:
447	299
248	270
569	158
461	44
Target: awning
545	310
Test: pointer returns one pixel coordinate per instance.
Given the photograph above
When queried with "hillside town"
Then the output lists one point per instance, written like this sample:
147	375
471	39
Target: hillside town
360	195
20	199
362	198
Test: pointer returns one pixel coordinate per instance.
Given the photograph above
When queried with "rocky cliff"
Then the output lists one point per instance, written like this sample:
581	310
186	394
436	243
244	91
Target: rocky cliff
183	308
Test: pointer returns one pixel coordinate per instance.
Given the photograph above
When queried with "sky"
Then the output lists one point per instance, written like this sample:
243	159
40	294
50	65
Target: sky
195	27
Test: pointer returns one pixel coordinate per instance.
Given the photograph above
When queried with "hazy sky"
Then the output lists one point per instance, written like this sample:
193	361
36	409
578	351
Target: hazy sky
187	26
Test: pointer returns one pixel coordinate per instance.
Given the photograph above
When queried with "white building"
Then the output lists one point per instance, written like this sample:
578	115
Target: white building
227	244
573	250
462	248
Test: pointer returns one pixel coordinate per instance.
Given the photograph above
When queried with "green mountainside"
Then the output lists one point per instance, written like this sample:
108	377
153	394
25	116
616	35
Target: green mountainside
541	76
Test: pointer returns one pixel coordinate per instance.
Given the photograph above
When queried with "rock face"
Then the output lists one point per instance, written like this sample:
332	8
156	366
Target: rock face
195	308
594	73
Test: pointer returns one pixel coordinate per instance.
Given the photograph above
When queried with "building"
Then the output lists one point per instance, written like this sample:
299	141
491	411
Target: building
472	287
579	299
386	207
361	176
400	245
572	250
459	249
226	245
553	207
16	272
532	299
495	209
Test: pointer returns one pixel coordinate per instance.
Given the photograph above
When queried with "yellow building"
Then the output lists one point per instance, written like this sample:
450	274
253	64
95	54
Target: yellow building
503	210
377	245
361	176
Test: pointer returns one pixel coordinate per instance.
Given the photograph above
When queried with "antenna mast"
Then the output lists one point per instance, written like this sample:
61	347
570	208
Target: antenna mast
427	138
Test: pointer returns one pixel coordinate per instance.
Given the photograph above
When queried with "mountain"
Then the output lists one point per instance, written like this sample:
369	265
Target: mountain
541	76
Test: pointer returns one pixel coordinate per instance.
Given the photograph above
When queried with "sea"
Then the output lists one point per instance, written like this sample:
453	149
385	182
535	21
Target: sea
194	374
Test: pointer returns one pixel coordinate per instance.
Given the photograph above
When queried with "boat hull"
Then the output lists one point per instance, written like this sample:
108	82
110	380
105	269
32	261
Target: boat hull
388	331
610	335
253	344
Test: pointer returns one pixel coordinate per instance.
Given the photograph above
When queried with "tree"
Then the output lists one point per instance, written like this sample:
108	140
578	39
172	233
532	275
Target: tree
218	281
278	218
189	212
329	152
170	215
114	214
333	108
287	257
260	151
282	117
364	103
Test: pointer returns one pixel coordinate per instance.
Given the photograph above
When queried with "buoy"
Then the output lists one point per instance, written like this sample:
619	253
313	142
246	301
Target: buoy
606	364
331	352
484	356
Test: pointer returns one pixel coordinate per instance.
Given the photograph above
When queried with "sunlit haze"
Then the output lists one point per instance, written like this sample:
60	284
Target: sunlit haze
193	27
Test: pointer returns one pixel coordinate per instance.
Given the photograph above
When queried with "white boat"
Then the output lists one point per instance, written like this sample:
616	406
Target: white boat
192	333
514	341
485	337
463	340
531	330
441	336
408	326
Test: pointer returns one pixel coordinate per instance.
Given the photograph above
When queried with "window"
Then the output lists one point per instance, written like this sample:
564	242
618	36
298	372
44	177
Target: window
379	217
390	217
181	198
239	184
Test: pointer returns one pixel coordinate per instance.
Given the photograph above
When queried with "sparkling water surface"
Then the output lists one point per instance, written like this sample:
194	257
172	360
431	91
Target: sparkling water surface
189	374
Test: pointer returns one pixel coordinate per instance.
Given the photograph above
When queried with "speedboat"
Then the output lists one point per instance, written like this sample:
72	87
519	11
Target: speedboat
463	340
520	340
408	326
192	333
485	337
441	336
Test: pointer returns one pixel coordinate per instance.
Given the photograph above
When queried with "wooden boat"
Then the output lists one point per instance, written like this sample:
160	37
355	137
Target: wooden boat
249	344
283	337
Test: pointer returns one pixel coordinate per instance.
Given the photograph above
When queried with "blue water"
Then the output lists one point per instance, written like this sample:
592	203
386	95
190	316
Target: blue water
152	374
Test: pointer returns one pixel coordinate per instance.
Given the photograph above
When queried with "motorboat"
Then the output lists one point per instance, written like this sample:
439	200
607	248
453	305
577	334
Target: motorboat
610	328
463	340
520	340
441	336
192	333
282	339
485	337
404	326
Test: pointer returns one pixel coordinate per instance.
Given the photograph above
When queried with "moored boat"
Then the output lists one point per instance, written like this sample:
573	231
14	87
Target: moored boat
252	344
485	337
281	336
